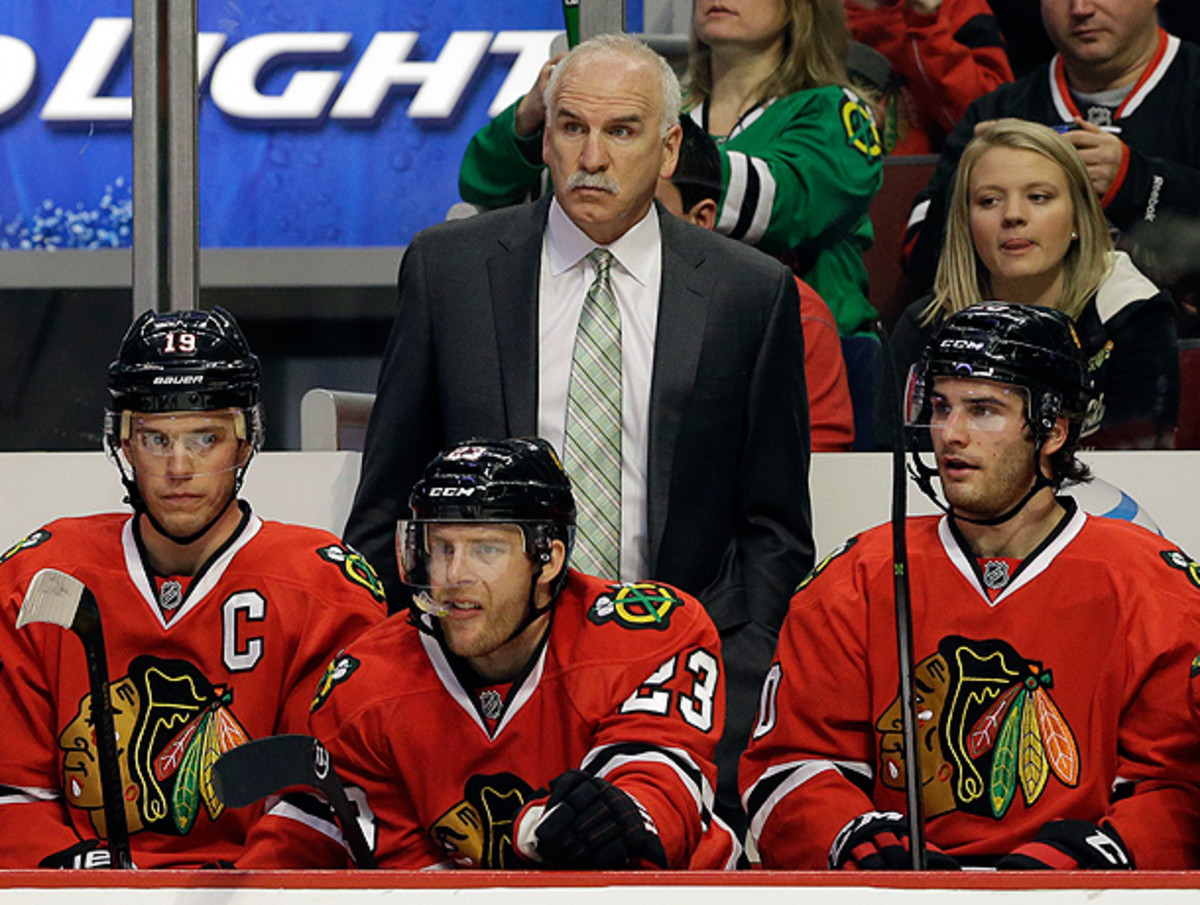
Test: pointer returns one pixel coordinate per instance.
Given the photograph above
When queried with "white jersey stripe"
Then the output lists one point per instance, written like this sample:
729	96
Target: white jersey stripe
766	200
288	811
918	214
735	192
445	674
1143	91
702	797
195	594
27	795
801	772
1032	567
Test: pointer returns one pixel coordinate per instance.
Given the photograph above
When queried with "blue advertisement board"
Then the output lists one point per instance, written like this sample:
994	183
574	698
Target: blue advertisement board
322	123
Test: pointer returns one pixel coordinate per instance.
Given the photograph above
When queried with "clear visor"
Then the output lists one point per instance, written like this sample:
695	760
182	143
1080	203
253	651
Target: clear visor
945	403
183	444
437	557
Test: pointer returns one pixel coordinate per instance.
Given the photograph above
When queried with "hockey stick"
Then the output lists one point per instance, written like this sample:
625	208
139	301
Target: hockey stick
264	766
904	642
571	20
61	599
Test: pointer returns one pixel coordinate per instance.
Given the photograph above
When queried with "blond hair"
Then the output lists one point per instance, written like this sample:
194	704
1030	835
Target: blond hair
815	44
962	279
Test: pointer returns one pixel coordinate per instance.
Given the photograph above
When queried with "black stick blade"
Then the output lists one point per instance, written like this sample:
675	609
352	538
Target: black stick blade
264	766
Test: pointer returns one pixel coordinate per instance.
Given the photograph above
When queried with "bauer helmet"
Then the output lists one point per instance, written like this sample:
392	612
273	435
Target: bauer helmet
182	362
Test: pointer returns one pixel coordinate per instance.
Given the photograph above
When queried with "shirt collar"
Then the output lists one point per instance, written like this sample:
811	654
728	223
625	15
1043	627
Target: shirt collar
567	244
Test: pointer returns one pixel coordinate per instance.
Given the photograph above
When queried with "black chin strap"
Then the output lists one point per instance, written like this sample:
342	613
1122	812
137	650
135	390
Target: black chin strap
924	474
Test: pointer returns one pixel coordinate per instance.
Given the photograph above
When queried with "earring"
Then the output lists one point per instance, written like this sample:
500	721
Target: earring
1074	235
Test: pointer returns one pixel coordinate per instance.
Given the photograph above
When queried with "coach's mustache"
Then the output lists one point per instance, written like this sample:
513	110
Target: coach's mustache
601	181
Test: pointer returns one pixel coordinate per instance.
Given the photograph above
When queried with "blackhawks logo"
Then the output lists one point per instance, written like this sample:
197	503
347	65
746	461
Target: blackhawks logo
337	672
355	568
478	831
37	538
1177	559
823	564
635	604
860	127
987	727
171	724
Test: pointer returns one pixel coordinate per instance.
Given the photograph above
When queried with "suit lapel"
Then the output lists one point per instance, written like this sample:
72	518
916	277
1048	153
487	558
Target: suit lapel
513	273
682	317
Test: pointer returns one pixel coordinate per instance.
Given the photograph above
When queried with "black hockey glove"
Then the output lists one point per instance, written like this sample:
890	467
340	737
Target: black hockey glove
878	840
90	854
1071	845
590	824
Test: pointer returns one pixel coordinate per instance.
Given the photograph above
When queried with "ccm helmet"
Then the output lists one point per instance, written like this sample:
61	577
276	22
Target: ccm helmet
1033	348
1027	346
513	481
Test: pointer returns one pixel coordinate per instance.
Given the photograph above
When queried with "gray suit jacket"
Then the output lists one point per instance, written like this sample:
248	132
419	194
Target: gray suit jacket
728	505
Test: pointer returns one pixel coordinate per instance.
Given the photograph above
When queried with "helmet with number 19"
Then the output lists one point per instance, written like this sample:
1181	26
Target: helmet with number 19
184	418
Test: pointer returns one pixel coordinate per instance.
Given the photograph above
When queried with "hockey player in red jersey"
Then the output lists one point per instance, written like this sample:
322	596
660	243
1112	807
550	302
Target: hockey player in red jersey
217	624
523	714
1053	650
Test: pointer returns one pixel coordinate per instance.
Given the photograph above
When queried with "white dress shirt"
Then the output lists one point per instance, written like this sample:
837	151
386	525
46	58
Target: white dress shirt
636	278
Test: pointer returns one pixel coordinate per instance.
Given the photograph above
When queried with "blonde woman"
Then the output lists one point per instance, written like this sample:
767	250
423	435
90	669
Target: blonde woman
800	155
1025	226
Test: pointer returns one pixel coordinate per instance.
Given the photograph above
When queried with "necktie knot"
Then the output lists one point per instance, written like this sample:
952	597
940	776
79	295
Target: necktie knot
601	259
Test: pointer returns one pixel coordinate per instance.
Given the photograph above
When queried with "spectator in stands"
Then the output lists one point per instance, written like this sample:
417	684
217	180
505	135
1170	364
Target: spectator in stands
693	193
944	54
1055	679
1024	226
800	155
1128	95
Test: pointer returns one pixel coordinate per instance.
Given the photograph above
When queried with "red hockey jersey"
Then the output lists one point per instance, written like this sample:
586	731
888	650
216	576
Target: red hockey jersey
627	685
1056	689
238	658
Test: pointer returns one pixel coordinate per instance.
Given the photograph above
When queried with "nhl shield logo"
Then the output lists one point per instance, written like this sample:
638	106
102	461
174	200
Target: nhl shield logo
995	574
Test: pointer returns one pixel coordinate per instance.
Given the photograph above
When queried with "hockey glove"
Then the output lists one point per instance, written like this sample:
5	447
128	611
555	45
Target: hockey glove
878	840
589	824
90	854
1071	845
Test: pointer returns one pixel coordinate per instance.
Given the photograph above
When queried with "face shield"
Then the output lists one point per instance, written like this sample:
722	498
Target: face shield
436	556
179	444
936	404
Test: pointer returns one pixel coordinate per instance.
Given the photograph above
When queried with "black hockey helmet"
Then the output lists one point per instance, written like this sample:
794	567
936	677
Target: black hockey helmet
512	481
196	361
1027	346
182	361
